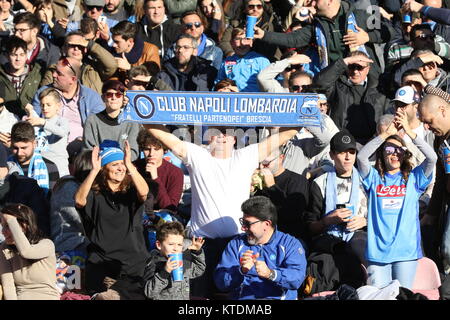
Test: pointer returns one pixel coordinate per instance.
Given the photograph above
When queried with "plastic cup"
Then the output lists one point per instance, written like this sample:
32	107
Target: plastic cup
177	274
351	208
250	25
407	18
447	160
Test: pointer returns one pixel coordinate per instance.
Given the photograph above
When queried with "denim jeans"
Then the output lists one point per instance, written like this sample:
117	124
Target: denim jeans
381	274
445	246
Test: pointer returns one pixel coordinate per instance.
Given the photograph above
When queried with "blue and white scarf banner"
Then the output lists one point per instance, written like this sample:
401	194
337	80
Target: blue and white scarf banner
226	109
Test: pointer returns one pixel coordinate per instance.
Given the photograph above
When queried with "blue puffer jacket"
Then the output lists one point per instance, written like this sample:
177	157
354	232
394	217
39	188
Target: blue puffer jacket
283	253
90	102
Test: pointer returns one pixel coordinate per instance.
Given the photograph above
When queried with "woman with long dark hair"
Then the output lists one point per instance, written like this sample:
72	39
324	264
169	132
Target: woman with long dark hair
109	202
213	18
27	259
394	188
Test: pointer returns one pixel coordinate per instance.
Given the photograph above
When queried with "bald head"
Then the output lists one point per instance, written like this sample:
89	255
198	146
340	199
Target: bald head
435	112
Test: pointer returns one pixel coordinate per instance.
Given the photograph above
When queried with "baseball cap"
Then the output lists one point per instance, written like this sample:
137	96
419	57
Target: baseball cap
99	3
342	141
407	95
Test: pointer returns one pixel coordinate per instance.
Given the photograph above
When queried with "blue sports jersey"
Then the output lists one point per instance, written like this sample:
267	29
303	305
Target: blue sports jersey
393	227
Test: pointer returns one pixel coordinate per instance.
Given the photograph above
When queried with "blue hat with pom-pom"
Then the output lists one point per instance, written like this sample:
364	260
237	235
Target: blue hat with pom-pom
110	151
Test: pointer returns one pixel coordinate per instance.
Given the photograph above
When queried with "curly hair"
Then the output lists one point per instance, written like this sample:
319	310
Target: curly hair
406	165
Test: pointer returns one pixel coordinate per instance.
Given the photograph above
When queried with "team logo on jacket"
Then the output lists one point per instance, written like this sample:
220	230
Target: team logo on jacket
144	106
391	191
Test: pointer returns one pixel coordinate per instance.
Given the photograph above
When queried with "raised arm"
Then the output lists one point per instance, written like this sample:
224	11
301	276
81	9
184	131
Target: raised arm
138	181
430	156
38	251
172	142
370	147
273	142
86	185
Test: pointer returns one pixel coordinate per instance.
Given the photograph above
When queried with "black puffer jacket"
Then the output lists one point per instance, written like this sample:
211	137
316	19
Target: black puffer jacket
200	77
162	36
355	108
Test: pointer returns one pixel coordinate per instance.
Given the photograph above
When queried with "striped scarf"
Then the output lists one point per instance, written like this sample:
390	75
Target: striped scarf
36	170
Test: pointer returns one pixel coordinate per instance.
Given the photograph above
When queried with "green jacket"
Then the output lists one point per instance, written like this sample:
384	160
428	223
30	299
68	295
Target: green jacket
14	102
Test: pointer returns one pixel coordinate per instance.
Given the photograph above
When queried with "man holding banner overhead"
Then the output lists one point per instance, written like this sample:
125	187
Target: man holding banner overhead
220	175
220	179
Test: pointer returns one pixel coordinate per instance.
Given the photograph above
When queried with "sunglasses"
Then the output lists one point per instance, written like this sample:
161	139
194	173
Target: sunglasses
357	67
297	88
247	224
391	150
77	46
98	8
66	63
140	83
424	36
255	6
2	104
190	25
429	65
294	67
109	95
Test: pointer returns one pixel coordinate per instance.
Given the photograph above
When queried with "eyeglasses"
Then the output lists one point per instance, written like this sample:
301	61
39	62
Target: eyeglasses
177	47
255	6
296	88
109	95
66	63
424	36
357	67
247	224
98	8
190	25
293	67
140	83
76	46
21	30
391	150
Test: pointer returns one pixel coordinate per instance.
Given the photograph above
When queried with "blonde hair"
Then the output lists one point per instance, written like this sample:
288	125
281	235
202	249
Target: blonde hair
50	92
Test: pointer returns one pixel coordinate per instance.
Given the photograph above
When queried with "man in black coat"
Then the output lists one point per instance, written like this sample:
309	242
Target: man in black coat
351	88
186	71
288	191
155	27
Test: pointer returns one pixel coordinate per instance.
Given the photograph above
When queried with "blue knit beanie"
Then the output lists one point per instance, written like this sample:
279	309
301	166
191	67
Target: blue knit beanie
110	151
